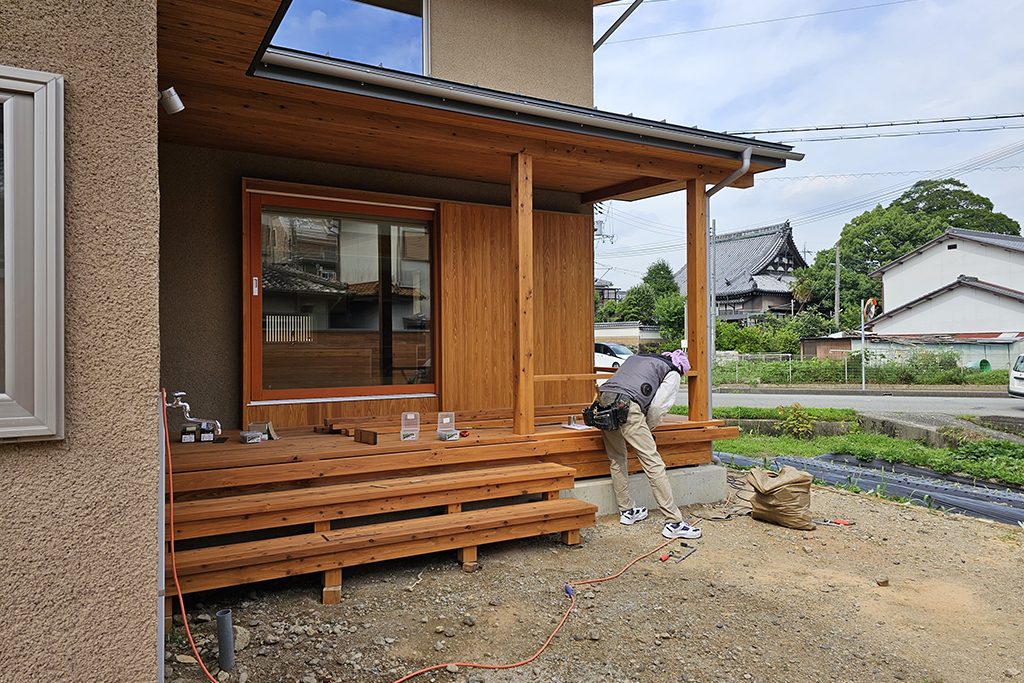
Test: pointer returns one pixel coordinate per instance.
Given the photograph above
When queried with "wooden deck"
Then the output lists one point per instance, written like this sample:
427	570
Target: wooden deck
318	502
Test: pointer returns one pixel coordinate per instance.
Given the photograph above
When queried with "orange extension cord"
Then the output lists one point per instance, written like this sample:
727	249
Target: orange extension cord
572	605
170	525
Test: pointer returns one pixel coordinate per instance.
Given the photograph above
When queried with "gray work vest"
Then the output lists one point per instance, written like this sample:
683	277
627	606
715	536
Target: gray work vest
639	378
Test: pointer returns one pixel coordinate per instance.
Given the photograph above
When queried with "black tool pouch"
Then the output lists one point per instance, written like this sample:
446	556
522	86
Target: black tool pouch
607	418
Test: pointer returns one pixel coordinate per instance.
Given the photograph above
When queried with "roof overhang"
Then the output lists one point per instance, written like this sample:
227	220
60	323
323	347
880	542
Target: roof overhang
243	97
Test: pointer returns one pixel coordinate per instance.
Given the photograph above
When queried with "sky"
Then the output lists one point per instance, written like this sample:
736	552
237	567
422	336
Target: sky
909	60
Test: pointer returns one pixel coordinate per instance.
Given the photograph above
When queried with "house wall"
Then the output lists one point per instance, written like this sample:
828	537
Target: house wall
79	516
201	271
540	48
960	310
939	265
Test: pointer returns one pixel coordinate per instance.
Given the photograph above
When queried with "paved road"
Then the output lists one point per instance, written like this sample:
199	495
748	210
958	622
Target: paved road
1011	407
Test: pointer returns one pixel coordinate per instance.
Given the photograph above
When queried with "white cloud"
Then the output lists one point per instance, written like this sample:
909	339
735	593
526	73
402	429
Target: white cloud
924	59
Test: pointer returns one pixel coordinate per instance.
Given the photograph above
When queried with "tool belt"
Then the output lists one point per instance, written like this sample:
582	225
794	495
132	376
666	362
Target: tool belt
607	417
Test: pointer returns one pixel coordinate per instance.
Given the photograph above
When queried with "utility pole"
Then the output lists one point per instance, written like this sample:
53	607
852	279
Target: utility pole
837	287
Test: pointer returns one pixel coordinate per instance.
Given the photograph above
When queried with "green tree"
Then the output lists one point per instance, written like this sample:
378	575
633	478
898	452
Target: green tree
727	335
661	279
956	206
608	313
670	312
879	236
639	304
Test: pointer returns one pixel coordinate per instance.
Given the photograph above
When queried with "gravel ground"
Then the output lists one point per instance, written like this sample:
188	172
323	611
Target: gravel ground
905	594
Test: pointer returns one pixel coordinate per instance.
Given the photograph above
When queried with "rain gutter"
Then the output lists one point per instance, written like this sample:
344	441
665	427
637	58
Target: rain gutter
733	146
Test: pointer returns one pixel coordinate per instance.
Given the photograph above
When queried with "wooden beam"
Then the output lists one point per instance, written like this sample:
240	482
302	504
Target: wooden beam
522	341
624	191
696	298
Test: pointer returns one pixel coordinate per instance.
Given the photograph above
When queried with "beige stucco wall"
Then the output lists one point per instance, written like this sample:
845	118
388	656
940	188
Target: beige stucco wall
78	518
201	257
541	48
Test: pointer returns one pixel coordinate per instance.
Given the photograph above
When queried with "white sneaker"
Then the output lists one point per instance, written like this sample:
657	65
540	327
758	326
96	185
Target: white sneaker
680	530
632	515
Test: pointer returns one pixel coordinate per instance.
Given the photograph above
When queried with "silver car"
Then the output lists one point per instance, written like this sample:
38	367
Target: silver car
1016	386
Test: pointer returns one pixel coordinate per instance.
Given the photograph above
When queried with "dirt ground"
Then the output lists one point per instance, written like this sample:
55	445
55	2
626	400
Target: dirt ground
905	594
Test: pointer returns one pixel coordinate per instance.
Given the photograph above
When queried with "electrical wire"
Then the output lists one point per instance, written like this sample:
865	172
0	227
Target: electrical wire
572	605
872	174
763	21
170	525
875	124
845	206
834	138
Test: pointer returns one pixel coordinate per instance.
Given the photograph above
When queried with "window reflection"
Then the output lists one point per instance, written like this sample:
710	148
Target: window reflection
387	33
346	301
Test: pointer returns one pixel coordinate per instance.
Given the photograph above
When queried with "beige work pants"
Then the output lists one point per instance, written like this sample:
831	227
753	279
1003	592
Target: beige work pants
636	433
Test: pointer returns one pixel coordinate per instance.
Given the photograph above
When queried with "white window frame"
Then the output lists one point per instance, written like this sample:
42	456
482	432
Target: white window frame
32	395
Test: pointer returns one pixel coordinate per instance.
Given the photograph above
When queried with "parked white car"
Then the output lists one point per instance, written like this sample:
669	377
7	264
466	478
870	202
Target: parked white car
610	355
1016	386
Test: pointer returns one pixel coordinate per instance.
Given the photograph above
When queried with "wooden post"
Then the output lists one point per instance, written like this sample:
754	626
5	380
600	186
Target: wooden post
522	250
331	578
697	298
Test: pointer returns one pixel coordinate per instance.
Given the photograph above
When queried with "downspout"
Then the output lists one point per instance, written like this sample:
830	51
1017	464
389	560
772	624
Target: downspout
710	236
617	24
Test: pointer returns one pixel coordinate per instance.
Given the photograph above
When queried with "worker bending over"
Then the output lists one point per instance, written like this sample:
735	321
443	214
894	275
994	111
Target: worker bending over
633	402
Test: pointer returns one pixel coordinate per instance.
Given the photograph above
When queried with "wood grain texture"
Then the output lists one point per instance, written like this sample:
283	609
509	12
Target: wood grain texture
523	292
698	387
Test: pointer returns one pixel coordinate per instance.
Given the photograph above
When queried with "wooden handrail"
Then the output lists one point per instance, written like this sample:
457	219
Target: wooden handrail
603	373
571	377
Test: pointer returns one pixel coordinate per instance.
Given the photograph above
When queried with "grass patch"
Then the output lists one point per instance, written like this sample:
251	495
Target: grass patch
742	413
993	378
999	460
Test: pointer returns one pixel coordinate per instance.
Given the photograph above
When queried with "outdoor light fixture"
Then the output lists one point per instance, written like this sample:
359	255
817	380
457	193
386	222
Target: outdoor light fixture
171	102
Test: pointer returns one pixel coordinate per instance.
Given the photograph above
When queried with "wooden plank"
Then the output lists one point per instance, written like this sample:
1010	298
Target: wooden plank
306	545
358	507
376	553
252	504
698	387
569	378
522	348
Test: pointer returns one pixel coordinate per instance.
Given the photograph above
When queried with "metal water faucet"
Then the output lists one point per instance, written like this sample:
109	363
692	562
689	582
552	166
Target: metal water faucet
203	423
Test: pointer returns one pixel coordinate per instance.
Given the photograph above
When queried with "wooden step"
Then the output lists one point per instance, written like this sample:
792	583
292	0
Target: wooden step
239	563
214	516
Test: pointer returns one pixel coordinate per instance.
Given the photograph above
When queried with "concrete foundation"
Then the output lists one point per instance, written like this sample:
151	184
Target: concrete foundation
690	486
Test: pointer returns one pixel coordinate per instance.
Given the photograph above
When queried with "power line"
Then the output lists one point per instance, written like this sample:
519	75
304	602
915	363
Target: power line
842	207
872	174
763	21
985	129
876	124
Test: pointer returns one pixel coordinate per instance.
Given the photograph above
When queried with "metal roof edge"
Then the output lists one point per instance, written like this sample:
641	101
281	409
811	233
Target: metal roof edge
308	69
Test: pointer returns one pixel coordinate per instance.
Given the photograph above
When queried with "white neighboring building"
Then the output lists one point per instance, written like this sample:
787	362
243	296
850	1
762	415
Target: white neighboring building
964	287
997	259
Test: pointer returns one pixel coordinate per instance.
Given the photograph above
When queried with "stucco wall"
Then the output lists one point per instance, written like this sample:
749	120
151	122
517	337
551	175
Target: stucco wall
201	257
541	48
939	265
78	546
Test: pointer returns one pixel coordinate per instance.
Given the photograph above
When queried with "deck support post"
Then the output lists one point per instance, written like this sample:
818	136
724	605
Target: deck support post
331	577
523	322
698	387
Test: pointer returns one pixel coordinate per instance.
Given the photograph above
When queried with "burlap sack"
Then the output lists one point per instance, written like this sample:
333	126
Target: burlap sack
782	497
